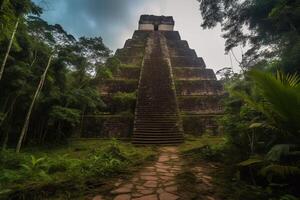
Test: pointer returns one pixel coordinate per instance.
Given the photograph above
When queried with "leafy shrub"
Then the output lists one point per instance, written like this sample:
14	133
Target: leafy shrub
36	168
107	160
62	164
283	172
104	73
11	160
113	64
207	152
123	101
288	197
100	159
63	114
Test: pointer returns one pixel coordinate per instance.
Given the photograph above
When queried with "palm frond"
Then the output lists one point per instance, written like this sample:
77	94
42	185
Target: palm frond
292	80
282	171
283	99
278	151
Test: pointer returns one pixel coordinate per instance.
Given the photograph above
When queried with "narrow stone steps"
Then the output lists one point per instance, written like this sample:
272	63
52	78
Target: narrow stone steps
147	131
158	142
157	118
166	135
160	122
158	139
155	126
147	127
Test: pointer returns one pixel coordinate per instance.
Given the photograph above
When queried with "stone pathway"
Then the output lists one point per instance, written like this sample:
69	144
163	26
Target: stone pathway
204	187
155	182
158	181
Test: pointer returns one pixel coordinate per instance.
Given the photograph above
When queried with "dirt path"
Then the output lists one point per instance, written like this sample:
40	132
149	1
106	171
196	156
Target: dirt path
159	181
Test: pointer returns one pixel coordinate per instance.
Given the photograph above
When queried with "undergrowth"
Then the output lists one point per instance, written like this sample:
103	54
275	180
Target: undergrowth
234	181
75	165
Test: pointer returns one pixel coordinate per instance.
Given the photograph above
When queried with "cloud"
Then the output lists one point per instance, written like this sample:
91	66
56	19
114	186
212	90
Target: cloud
115	21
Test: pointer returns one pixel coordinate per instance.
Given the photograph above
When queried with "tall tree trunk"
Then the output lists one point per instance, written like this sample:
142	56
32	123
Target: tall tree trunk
9	47
81	122
37	92
2	4
7	117
5	140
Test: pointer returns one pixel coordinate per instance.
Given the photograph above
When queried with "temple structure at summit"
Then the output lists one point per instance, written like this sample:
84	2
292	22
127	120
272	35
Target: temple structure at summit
156	23
162	90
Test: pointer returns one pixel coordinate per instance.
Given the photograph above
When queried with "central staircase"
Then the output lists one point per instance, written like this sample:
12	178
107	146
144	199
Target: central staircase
157	119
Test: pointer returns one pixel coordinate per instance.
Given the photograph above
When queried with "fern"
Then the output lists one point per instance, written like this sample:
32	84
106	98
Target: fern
278	151
291	80
34	164
288	197
251	161
282	171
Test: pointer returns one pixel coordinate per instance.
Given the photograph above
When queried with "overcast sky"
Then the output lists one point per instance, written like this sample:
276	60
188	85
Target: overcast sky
116	20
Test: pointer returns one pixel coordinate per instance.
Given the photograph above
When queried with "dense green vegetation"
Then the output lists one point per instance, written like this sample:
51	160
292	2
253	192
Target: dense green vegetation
71	170
269	27
49	78
261	120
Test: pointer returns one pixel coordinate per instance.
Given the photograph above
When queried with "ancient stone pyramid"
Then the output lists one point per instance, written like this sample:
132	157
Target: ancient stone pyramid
175	92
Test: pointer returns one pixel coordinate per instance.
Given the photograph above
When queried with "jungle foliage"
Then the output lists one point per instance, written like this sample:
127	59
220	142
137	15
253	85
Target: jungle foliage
269	27
70	170
49	78
261	112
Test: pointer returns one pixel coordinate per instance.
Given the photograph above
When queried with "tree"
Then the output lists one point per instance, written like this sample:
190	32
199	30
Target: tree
66	91
278	102
20	8
37	92
44	32
225	73
270	28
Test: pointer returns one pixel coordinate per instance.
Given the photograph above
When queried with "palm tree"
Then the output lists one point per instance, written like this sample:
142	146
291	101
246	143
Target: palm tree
279	100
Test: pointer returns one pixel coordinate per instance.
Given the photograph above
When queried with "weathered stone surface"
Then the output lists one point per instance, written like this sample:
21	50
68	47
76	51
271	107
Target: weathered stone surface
148	197
151	184
187	70
146	191
171	189
149	178
168	196
99	197
123	189
123	197
157	118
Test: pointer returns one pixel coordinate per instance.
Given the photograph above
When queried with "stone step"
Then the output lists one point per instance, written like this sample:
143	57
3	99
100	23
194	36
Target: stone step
163	123
164	142
157	139
155	126
155	111
141	117
162	135
161	131
160	122
159	114
157	133
156	120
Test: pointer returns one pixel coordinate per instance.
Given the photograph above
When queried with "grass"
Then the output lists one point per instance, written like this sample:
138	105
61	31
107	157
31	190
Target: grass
72	169
200	151
193	142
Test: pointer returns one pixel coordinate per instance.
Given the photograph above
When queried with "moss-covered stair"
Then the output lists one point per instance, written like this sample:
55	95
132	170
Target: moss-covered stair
157	119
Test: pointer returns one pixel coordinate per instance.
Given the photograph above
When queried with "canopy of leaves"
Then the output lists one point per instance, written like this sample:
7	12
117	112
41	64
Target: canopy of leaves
269	27
70	89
